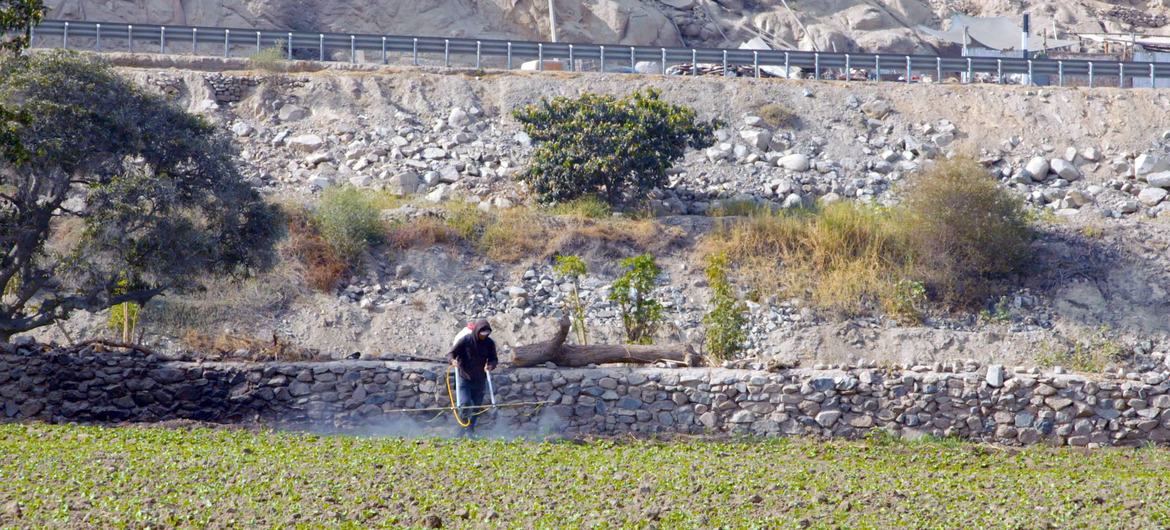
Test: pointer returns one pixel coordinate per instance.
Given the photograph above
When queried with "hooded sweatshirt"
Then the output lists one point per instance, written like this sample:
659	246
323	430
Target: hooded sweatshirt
472	354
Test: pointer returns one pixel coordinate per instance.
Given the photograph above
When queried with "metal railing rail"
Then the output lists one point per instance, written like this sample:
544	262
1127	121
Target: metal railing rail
201	40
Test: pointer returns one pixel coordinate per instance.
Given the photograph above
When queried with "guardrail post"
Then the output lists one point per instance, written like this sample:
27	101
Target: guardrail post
162	40
1120	75
848	69
817	65
130	38
970	71
572	64
290	45
909	70
877	67
385	58
32	35
1152	79
98	44
414	52
65	37
478	48
1030	81
663	61
194	41
938	69
446	53
694	62
725	63
787	70
257	42
540	56
755	63
1090	74
1060	73
352	49
999	70
227	42
510	54
633	59
321	47
602	70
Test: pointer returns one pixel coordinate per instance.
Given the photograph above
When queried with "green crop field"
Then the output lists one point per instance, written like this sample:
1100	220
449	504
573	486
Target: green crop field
71	476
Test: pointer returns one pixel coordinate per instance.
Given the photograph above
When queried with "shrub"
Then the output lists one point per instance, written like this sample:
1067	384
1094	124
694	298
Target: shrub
777	115
641	314
965	230
348	219
727	320
574	267
323	269
599	144
270	59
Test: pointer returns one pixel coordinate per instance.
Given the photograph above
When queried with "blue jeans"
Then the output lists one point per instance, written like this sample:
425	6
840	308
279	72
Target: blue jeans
470	394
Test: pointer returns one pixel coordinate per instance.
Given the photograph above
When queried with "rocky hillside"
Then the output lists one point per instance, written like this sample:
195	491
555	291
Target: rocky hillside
1095	177
844	25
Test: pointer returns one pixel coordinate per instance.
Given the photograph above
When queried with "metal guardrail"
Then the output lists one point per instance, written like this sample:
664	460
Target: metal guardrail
146	37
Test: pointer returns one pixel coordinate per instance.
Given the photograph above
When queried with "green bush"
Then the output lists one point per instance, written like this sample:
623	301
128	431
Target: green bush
727	320
349	222
599	144
641	314
574	267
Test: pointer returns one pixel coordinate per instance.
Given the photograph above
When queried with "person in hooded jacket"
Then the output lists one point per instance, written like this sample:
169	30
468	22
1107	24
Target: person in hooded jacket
473	355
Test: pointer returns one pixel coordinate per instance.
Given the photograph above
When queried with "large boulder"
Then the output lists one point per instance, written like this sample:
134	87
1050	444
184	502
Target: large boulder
794	162
1067	170
1159	180
1037	168
306	142
1147	163
1152	196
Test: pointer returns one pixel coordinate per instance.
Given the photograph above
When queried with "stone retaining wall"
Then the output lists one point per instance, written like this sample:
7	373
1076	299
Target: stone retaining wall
986	404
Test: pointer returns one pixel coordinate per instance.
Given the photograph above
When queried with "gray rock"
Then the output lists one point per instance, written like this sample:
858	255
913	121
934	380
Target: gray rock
757	138
289	113
1148	163
1065	169
242	129
1152	196
458	118
1160	179
994	375
876	109
794	162
306	142
827	418
742	416
1037	168
434	153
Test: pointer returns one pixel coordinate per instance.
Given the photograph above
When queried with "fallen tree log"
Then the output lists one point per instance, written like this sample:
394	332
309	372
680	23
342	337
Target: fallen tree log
575	355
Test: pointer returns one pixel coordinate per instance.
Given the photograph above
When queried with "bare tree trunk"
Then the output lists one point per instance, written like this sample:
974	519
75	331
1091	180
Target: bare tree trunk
572	355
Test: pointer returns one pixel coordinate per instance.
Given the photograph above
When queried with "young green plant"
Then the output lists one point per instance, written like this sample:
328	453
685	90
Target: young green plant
641	314
573	267
727	320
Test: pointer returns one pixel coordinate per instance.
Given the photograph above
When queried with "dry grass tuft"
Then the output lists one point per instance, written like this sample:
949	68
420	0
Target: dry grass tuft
245	348
322	267
953	239
423	232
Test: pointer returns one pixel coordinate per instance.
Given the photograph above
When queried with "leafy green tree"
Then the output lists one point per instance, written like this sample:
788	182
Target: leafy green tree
17	17
727	319
574	267
641	314
118	185
599	144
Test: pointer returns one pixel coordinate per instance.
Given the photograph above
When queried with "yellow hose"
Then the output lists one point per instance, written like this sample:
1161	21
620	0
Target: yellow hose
454	409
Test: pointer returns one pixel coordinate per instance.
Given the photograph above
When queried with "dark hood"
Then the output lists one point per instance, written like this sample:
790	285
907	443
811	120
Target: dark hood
479	326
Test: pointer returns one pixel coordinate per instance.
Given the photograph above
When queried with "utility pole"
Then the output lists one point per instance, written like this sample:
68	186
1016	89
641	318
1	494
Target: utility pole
552	20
